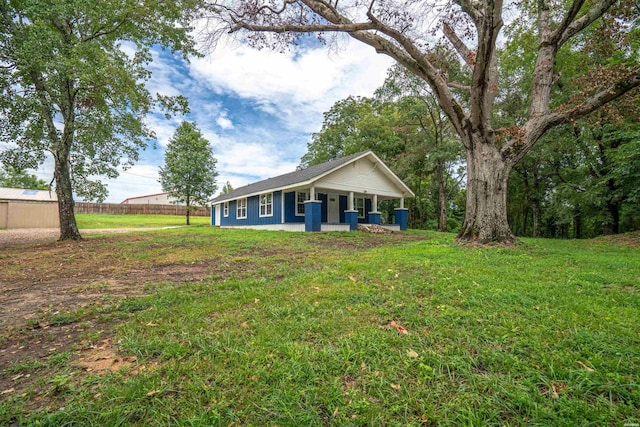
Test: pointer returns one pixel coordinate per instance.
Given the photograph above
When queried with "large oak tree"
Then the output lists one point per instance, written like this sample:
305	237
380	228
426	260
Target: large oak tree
69	88
406	30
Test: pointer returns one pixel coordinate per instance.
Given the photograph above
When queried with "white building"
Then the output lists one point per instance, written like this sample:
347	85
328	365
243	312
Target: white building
151	199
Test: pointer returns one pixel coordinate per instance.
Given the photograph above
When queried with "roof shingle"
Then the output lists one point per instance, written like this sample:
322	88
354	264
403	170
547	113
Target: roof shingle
287	179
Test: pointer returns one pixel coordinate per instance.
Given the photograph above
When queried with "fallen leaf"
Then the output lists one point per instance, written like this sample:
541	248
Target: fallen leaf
412	354
153	393
244	325
151	324
7	391
256	300
585	367
395	386
353	279
401	329
335	413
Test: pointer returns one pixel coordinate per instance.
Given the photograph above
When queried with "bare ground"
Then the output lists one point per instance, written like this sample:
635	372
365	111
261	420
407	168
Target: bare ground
25	236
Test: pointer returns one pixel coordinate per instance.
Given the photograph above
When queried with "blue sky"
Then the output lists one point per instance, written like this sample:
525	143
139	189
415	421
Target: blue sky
257	108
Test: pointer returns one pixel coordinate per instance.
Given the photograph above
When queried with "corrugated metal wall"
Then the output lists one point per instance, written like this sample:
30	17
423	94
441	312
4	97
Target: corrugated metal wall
29	215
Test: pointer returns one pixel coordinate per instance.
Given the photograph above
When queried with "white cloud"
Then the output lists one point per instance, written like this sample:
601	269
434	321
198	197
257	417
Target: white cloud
224	122
164	128
296	86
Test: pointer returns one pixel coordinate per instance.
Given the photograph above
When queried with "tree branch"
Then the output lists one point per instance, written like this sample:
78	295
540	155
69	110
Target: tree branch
467	55
309	28
456	85
471	8
569	27
622	86
538	125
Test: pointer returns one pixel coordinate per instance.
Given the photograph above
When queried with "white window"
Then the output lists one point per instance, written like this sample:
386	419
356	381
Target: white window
360	207
241	208
225	209
301	197
266	204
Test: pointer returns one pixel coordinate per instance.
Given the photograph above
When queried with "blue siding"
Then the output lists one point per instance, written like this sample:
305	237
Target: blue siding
253	212
290	208
213	216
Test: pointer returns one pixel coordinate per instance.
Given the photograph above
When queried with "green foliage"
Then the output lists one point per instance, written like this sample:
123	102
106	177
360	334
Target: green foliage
582	180
70	90
15	178
403	125
189	171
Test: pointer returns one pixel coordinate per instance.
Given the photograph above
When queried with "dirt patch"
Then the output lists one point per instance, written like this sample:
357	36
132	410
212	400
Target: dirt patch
28	236
103	357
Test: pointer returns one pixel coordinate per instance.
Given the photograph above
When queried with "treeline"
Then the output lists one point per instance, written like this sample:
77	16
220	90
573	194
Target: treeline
580	181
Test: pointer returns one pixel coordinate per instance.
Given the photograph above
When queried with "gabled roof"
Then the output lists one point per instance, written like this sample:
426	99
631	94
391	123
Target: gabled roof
301	177
20	194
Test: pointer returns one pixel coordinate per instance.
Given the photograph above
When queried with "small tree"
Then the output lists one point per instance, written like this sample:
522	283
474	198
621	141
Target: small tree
189	167
227	188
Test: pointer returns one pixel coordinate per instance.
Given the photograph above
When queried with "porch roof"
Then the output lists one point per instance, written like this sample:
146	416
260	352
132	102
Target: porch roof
305	176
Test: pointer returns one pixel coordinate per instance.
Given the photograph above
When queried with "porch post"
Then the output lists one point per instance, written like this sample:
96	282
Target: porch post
312	215
402	216
351	215
374	215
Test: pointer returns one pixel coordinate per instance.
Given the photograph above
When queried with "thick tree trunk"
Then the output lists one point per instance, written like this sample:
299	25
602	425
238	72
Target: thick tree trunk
442	198
68	227
486	213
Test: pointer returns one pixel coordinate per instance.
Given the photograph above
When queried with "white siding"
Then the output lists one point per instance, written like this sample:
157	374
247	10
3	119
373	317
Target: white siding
361	177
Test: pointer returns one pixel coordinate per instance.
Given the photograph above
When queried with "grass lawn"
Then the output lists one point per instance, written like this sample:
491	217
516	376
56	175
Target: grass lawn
91	221
315	329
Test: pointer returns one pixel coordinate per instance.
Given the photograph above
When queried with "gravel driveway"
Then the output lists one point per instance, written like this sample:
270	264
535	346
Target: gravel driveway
21	236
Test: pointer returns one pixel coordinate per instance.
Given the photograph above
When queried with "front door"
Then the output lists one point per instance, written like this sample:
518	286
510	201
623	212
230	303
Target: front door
333	209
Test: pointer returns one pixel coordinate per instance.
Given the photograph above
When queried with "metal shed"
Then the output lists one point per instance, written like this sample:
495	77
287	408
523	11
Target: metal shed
20	208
